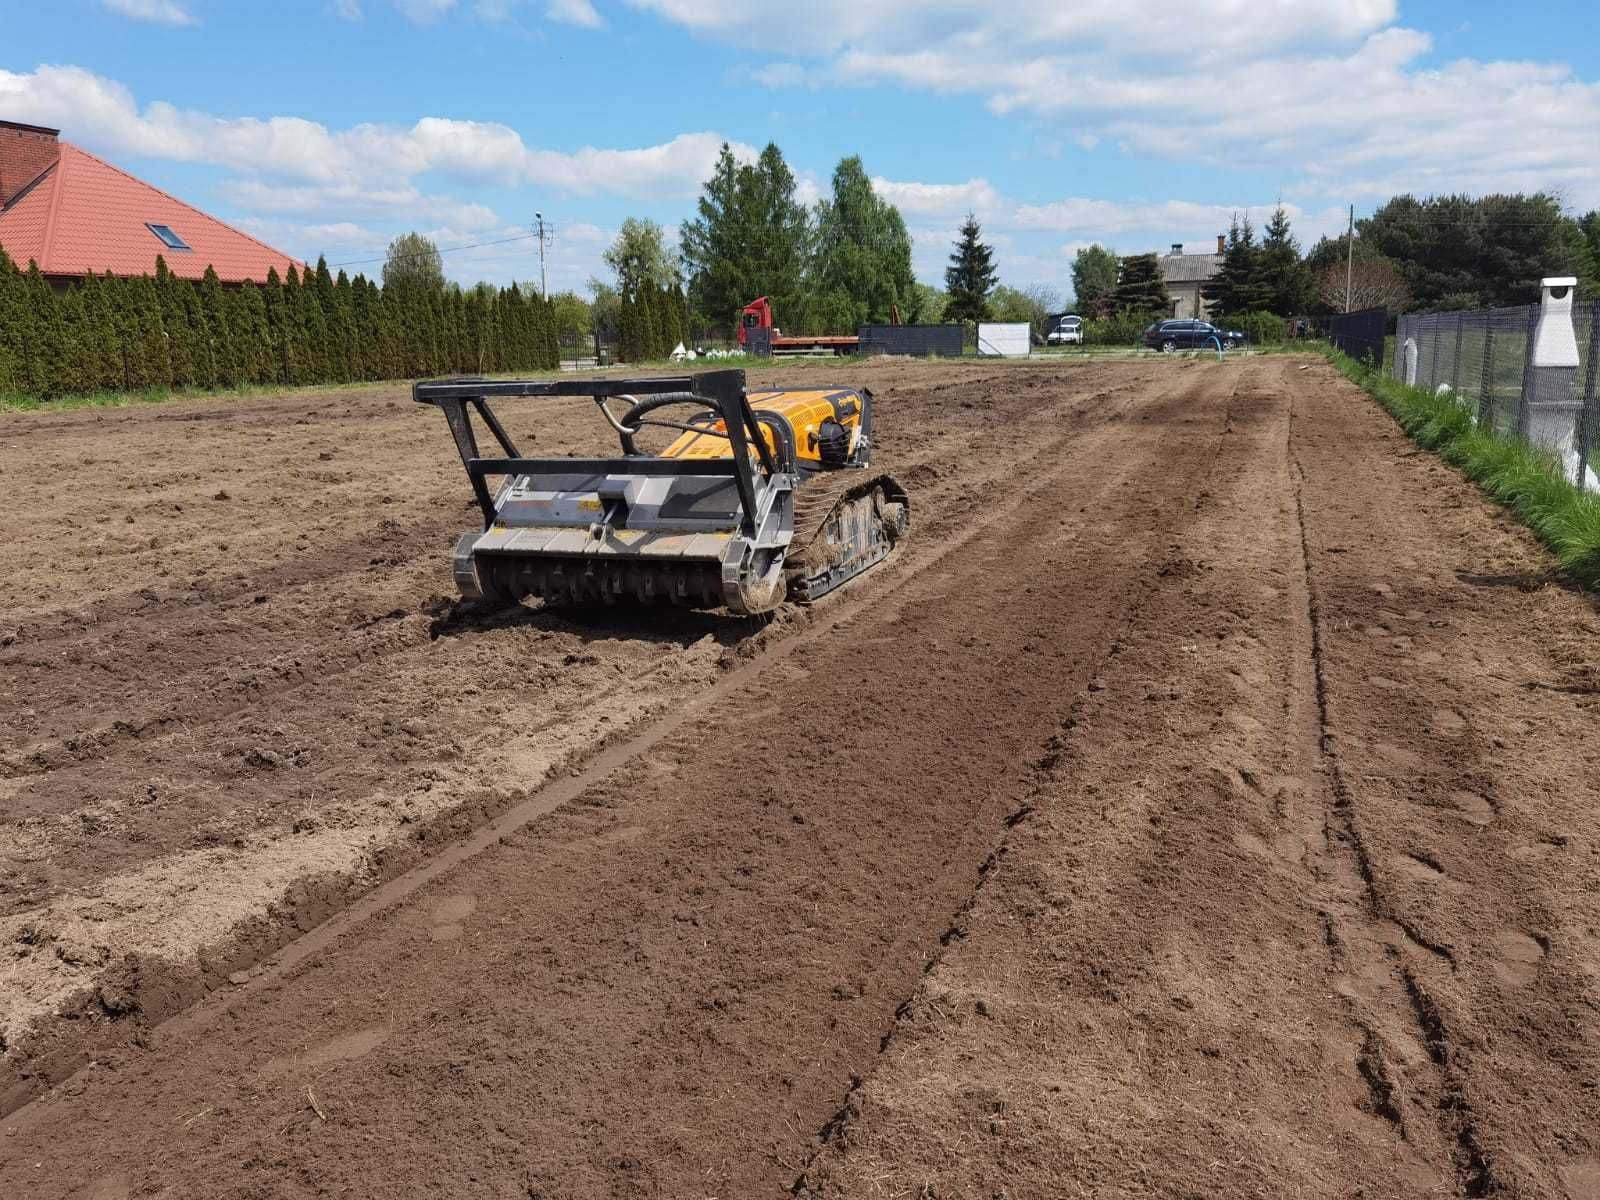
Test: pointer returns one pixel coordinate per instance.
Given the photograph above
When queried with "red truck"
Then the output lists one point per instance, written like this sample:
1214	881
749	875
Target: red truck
758	315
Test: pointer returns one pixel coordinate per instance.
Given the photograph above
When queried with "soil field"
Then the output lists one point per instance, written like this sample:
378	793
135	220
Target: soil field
1199	803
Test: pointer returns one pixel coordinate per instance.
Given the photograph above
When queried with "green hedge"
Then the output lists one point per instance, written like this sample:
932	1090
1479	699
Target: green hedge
1124	329
110	334
1528	480
1262	328
1127	329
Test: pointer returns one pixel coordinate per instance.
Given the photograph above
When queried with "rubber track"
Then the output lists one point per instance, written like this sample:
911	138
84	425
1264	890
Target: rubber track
815	502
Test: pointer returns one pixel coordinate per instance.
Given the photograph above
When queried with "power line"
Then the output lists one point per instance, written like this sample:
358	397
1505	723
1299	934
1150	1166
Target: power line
524	237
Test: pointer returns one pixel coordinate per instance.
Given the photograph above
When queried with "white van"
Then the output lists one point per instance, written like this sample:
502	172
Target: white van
1067	331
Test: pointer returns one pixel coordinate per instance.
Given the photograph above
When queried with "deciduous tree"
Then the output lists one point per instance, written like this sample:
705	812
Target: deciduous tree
862	266
413	261
638	255
1094	280
1373	281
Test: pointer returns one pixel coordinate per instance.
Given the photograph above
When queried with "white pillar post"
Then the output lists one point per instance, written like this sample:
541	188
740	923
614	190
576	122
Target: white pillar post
1551	407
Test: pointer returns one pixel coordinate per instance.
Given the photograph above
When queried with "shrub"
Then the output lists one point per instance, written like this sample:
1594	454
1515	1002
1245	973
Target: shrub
1262	328
1123	329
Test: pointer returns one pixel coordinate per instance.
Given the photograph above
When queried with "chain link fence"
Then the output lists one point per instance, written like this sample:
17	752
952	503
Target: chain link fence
1485	358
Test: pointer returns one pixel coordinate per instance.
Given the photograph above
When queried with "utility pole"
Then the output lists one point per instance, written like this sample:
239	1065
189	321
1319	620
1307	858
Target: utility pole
1350	258
544	283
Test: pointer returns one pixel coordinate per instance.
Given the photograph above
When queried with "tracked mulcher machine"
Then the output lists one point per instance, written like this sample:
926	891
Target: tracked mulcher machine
762	496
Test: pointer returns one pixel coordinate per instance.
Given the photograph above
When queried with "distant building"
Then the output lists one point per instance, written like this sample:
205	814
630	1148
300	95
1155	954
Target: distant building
73	213
1186	275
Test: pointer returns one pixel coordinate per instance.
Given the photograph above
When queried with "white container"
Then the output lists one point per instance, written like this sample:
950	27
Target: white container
1005	339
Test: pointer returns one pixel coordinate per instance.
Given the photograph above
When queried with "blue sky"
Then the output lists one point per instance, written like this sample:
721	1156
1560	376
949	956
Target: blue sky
328	126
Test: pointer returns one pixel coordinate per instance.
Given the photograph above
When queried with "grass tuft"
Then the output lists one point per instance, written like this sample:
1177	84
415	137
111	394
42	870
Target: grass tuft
1527	480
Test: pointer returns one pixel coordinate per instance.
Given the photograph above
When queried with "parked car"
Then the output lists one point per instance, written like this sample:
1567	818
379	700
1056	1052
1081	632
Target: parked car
1067	331
1168	336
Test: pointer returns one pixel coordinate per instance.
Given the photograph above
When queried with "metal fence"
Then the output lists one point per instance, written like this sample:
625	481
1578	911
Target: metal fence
1485	358
920	340
1360	334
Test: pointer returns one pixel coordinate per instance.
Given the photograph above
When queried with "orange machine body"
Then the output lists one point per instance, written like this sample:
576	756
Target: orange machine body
804	411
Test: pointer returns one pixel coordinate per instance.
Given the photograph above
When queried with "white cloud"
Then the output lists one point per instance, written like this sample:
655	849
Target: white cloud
675	168
368	159
1199	28
348	10
574	12
784	75
1335	98
581	13
424	12
403	203
159	12
918	199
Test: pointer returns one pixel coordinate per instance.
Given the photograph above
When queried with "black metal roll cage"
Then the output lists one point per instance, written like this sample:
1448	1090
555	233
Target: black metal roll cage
722	392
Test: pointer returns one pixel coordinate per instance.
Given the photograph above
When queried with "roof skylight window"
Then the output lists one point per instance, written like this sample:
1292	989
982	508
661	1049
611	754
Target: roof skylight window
168	238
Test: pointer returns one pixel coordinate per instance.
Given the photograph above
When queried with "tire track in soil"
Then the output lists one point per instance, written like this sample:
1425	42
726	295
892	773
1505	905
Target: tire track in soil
274	665
1361	933
714	936
149	980
1475	826
1147	996
1047	774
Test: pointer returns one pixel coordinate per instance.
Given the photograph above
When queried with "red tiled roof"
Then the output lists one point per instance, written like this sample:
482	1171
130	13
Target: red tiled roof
84	214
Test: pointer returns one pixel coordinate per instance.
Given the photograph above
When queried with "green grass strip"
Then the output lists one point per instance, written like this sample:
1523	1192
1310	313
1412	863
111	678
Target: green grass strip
1525	479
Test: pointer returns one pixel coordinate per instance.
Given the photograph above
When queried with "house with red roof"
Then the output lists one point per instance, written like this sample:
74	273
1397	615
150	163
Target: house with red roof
73	213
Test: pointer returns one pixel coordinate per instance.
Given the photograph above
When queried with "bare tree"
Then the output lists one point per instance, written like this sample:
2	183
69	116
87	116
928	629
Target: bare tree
1374	283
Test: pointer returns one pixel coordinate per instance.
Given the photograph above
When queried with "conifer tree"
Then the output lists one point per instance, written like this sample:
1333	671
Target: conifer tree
371	351
681	303
205	350
122	301
100	333
301	368
1283	283
155	348
191	351
317	368
629	345
1141	287
971	275
11	355
649	322
74	372
387	318
553	323
341	329
251	334
49	356
472	318
667	313
213	324
1233	289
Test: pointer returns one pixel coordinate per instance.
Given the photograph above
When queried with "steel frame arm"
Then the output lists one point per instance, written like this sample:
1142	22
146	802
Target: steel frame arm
724	391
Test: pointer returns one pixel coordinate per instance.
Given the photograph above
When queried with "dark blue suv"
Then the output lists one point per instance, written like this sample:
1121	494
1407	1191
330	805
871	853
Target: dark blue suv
1168	336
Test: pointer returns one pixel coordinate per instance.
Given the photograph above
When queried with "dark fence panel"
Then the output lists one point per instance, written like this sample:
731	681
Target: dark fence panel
758	341
921	340
1360	334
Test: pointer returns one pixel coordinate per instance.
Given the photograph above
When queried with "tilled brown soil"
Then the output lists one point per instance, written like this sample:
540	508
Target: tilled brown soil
237	694
1198	806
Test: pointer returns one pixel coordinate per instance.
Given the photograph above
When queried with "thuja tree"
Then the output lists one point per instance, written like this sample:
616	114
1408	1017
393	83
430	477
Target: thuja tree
110	334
